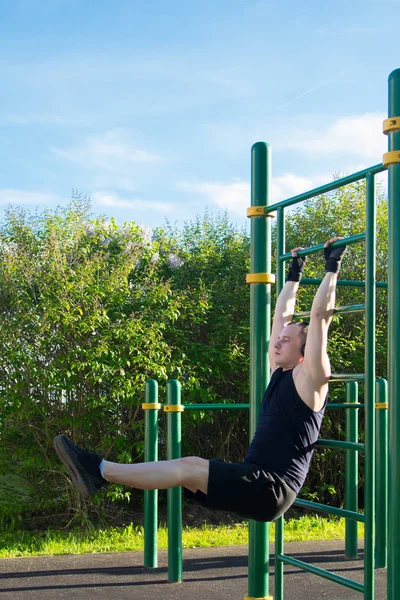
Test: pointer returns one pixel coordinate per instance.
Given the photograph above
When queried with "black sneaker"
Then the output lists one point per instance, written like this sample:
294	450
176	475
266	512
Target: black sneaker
81	464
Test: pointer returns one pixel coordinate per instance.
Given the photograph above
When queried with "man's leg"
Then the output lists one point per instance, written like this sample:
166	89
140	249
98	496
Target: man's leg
89	472
190	472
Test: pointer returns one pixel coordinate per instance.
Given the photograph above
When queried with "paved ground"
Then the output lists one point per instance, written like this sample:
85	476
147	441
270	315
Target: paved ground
215	573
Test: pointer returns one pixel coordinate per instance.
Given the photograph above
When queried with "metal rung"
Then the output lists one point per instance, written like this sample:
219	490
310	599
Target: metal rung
230	406
353	239
331	510
328	187
352	308
333	405
288	560
347	377
340	310
341	445
343	282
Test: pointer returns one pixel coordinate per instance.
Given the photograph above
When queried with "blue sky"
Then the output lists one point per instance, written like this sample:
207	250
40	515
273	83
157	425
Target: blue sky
150	107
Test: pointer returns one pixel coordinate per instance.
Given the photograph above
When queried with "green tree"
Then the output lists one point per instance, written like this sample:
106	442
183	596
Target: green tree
210	336
78	340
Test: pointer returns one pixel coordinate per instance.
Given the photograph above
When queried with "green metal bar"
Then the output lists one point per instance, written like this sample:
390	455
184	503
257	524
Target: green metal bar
229	406
330	510
393	346
324	189
351	472
280	282
232	406
288	560
343	282
341	445
340	310
174	495
150	508
279	574
260	322
349	241
280	249
347	377
351	406
381	476
340	377
369	390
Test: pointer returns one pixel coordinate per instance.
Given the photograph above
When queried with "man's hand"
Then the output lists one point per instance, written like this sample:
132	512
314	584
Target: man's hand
297	265
333	256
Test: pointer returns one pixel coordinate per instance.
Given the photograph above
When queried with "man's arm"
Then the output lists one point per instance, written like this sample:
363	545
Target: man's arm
314	372
316	360
284	309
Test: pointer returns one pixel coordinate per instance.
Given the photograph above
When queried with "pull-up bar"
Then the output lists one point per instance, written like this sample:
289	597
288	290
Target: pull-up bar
352	239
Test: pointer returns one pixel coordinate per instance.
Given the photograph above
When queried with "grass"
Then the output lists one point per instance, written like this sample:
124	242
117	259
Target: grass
127	538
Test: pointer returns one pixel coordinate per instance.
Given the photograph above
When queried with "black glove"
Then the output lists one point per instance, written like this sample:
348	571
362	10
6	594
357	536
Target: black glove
333	257
296	268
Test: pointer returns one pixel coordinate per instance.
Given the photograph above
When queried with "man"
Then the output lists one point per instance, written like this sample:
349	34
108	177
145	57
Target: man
265	485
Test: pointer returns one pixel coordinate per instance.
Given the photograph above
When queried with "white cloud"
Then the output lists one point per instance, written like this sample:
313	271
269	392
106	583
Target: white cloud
111	151
359	136
289	185
235	197
12	196
104	198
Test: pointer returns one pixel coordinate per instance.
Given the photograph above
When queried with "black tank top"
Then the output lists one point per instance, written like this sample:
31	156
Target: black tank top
287	431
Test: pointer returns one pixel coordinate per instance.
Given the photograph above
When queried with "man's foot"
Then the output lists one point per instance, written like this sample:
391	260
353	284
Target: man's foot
82	465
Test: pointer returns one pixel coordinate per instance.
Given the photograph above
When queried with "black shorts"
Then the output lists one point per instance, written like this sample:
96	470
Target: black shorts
245	489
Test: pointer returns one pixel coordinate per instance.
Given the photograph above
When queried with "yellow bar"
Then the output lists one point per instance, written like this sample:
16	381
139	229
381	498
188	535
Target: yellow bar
151	406
259	211
263	598
381	405
392	124
173	408
260	278
390	158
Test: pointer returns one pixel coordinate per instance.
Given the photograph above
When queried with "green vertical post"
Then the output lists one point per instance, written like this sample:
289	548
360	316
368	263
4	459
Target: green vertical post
280	282
381	474
280	249
260	320
394	345
150	455
279	549
370	324
173	409
351	471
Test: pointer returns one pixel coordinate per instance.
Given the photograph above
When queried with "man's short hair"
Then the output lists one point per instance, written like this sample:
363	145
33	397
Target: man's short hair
303	333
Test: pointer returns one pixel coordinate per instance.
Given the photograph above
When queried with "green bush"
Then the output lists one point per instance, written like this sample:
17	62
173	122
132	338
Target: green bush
90	310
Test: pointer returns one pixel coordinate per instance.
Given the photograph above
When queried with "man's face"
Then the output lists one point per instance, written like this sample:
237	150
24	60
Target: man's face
288	347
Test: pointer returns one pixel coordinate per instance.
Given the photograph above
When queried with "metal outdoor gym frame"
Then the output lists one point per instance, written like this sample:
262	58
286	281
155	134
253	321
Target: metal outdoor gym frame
382	399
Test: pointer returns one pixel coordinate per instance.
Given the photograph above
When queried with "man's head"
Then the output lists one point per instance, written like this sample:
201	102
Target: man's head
290	345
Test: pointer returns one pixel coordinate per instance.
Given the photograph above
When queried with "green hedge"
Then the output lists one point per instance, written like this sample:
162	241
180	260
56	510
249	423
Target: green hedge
90	310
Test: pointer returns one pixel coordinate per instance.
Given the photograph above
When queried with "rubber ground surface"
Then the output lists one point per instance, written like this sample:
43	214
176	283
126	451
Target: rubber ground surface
208	574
